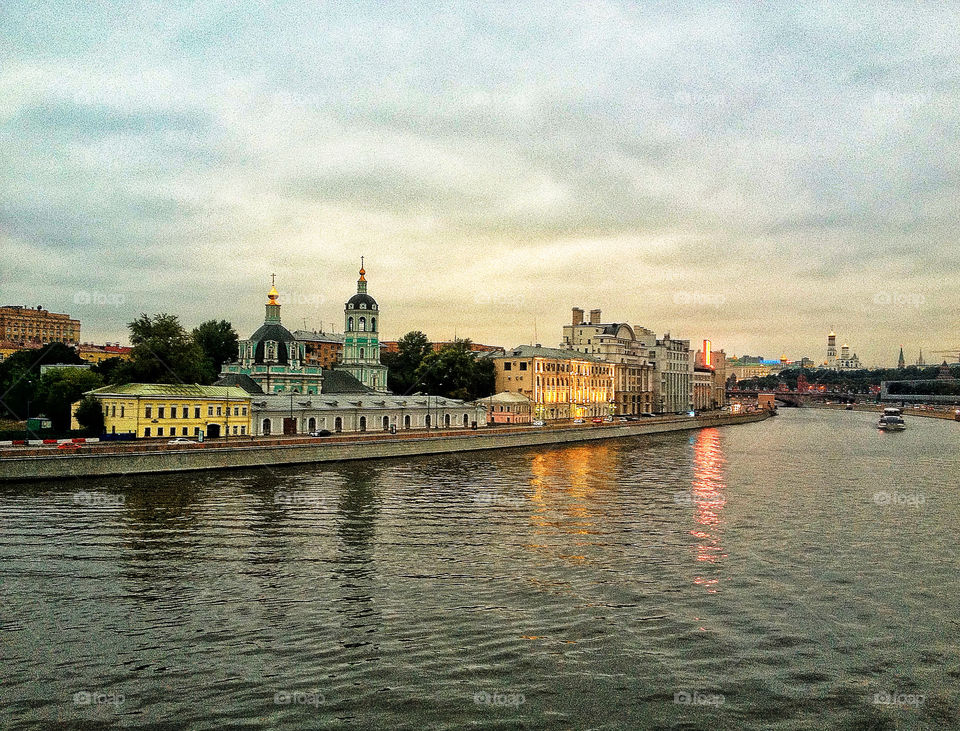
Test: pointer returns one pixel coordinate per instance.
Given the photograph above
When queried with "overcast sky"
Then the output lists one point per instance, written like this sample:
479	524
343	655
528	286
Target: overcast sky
755	173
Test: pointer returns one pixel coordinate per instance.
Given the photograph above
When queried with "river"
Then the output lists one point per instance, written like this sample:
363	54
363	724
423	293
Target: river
795	573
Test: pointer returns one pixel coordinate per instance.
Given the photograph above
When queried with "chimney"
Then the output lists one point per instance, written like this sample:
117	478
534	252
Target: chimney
577	315
594	317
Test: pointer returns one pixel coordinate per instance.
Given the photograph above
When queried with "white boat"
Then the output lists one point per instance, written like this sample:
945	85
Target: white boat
892	420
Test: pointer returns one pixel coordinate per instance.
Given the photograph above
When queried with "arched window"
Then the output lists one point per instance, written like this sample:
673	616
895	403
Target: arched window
363	423
338	424
373	324
386	423
406	421
361	353
363	324
426	421
466	420
446	419
312	423
265	428
349	324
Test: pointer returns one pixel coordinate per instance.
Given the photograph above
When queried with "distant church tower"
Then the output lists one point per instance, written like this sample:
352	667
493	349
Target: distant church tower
832	350
361	338
901	363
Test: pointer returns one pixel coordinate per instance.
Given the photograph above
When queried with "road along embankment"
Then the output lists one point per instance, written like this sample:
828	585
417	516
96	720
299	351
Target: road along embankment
154	458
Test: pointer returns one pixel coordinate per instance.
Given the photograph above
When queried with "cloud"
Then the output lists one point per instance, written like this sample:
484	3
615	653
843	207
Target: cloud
594	153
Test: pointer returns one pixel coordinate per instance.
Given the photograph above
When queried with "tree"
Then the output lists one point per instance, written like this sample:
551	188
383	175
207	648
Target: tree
89	413
107	368
412	349
219	342
162	353
20	376
455	371
60	388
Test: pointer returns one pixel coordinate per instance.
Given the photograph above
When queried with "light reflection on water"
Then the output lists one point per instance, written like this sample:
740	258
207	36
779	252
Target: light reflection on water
401	591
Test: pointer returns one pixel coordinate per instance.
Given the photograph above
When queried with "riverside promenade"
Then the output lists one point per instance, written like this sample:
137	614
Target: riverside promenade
113	459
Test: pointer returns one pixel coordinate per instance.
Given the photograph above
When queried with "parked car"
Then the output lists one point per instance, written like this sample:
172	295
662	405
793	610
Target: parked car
608	418
539	422
321	433
596	420
181	440
647	413
578	421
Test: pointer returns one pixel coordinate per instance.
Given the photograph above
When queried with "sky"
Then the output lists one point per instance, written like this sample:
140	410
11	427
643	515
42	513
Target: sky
752	173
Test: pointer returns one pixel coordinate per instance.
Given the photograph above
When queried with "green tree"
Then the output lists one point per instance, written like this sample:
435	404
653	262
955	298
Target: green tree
20	377
456	372
162	353
412	349
60	388
107	368
89	413
218	341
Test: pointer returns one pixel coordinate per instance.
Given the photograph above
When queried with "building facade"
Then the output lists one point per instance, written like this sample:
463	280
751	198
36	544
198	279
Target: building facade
561	384
361	339
320	349
21	325
149	410
508	408
702	388
616	343
98	353
674	367
367	411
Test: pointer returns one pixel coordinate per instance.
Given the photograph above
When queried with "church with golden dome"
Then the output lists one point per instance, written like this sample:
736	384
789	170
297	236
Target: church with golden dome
272	358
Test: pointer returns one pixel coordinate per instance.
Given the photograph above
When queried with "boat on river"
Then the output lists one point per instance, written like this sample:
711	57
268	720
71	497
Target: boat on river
892	420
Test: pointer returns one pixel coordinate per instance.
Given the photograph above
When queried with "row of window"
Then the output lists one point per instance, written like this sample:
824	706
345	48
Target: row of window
185	411
238	431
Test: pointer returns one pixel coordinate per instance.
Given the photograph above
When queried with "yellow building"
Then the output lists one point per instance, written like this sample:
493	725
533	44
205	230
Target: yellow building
98	353
27	325
173	410
561	384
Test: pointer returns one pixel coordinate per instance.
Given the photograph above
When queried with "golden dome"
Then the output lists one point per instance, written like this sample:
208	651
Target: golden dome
272	295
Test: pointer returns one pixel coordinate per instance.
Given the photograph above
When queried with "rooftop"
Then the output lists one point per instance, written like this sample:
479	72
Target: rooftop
175	390
538	351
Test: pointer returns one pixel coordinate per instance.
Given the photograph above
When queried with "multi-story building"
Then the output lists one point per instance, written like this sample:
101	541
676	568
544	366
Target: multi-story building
320	349
508	408
98	353
616	343
714	361
673	361
173	410
561	384
361	338
702	388
24	325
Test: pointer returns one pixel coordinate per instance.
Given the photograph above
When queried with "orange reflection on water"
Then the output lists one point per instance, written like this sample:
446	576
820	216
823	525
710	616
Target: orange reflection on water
708	501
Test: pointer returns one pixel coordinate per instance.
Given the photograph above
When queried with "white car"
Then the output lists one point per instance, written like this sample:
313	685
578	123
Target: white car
578	421
539	422
181	440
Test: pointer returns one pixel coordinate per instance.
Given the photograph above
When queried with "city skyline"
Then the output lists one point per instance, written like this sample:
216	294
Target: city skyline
753	176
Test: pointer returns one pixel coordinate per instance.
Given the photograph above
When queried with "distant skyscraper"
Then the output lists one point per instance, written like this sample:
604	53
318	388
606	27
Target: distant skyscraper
901	363
920	359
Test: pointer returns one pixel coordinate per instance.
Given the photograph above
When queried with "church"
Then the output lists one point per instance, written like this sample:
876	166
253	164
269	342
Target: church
291	396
